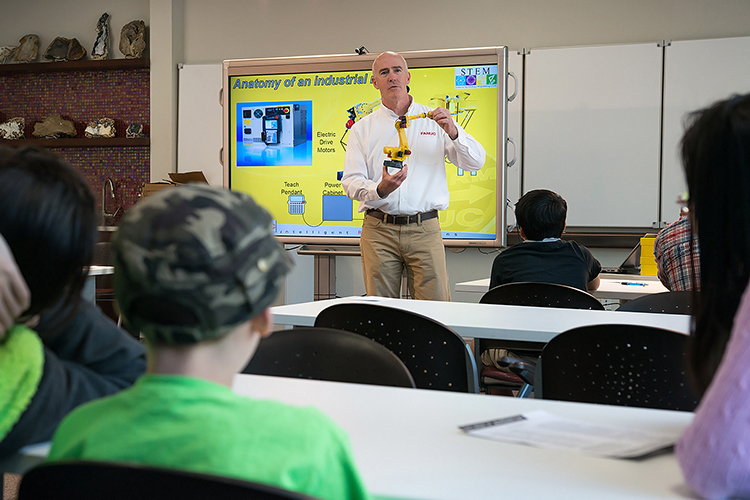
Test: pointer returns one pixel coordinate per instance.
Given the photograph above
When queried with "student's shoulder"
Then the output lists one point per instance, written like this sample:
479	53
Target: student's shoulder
306	419
575	246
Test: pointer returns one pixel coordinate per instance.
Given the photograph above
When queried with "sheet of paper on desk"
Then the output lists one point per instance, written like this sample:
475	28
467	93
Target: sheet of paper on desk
544	430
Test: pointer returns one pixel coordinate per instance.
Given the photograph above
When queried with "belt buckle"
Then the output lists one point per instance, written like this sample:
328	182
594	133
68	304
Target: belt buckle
400	219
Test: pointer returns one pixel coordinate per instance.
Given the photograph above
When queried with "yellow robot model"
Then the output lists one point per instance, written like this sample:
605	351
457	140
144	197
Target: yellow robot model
397	154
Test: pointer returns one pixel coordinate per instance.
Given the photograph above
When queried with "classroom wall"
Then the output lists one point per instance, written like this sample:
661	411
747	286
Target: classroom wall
202	32
69	19
234	29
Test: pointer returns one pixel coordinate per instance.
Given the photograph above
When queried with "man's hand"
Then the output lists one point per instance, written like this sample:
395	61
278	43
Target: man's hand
14	294
443	118
390	183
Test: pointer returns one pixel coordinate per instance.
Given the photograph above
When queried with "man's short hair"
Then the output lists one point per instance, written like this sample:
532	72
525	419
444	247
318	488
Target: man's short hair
541	214
194	262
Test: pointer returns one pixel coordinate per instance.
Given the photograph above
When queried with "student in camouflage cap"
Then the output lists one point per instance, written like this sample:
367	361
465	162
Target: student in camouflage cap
196	268
193	263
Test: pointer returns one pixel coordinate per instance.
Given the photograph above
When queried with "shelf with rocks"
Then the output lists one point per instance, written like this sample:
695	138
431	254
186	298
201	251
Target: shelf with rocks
80	142
88	65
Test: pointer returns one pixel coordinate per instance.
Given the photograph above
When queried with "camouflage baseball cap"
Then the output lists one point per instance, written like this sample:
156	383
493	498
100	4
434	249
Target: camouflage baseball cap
194	262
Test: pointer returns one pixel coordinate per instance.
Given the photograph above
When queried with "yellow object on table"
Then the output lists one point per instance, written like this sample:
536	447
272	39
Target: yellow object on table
648	262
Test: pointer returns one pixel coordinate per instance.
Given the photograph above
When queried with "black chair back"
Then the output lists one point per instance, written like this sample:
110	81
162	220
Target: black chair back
437	357
665	302
530	294
541	295
626	365
84	480
328	354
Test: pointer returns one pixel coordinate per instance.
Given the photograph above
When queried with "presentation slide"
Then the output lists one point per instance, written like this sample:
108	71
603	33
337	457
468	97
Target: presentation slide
289	140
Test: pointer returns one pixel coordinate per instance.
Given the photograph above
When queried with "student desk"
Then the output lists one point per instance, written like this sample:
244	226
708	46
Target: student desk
491	321
407	444
89	288
611	287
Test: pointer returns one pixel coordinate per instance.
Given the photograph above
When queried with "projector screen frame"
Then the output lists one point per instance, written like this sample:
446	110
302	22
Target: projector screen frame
346	62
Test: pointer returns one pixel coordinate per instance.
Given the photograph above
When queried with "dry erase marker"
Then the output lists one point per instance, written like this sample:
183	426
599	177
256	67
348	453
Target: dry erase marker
632	283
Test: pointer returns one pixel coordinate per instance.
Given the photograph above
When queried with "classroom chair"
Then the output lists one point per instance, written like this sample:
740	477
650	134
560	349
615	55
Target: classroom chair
437	357
527	294
86	480
328	354
625	365
665	302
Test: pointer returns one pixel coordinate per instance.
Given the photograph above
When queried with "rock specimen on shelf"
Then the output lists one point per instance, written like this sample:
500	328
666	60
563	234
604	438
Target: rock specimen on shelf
53	127
104	127
63	49
7	52
101	44
28	50
134	131
13	128
133	39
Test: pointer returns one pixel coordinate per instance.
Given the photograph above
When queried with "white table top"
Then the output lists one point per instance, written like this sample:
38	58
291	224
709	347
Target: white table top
491	321
610	288
408	446
101	270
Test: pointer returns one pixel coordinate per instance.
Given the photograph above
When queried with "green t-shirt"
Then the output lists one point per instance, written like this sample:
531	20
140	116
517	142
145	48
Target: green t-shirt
193	424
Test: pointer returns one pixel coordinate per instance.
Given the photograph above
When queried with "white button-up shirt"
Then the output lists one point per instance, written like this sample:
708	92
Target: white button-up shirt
426	184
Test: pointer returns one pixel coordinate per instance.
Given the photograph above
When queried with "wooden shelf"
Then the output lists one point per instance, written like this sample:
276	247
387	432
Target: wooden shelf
88	65
80	142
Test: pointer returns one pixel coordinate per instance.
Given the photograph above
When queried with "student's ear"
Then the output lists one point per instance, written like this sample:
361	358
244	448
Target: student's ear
521	232
263	323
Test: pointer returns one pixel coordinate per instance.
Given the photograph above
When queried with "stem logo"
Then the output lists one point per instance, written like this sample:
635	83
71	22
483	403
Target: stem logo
476	77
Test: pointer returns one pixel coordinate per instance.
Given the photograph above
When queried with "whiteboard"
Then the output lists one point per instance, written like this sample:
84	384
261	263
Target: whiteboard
697	73
591	134
199	122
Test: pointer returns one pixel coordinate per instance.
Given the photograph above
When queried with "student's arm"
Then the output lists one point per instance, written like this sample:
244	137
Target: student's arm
496	275
594	268
713	450
85	358
99	357
594	283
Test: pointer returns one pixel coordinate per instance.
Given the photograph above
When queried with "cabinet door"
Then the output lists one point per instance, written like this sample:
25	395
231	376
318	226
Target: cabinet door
592	131
697	73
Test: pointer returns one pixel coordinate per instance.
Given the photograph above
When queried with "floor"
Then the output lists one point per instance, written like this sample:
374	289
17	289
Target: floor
10	486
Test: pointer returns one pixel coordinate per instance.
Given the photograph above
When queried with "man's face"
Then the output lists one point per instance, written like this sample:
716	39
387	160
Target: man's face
390	76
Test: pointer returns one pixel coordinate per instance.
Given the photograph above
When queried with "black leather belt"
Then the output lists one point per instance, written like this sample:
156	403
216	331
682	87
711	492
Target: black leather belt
402	219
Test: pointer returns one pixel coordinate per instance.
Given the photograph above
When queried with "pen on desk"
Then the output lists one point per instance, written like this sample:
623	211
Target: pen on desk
632	283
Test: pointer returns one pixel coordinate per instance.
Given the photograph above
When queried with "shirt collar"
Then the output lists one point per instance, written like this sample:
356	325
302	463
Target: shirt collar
545	240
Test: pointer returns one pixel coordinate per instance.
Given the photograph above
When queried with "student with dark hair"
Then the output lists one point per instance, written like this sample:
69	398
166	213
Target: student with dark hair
543	256
714	450
75	354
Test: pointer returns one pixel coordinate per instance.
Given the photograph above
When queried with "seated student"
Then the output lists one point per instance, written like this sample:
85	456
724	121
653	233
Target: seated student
713	451
75	353
677	255
543	256
196	268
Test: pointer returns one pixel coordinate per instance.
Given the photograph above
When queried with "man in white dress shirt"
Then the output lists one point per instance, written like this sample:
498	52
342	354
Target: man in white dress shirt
401	229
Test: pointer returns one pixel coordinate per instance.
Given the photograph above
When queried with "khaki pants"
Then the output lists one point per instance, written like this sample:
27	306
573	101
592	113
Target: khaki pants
388	249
